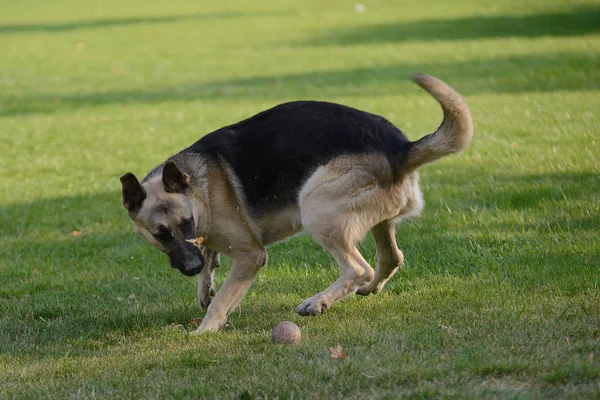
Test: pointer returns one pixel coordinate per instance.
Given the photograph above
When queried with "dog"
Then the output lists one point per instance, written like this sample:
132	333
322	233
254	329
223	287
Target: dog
332	171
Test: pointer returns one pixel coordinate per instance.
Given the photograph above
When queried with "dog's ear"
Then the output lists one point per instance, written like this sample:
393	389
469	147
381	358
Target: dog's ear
133	193
174	180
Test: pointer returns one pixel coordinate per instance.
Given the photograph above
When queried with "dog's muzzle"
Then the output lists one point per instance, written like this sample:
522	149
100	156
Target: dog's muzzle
189	261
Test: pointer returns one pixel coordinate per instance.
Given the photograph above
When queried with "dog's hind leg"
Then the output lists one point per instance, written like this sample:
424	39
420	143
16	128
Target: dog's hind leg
338	206
354	272
389	257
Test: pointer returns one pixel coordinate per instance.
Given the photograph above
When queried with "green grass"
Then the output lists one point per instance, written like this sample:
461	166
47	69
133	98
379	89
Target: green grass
506	253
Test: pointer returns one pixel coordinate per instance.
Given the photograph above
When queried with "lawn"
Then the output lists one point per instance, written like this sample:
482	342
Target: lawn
499	295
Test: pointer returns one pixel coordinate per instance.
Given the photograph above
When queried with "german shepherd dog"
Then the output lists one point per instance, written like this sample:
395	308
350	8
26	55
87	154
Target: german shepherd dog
330	170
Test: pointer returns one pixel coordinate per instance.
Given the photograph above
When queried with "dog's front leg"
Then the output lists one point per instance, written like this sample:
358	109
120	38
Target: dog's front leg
244	268
206	284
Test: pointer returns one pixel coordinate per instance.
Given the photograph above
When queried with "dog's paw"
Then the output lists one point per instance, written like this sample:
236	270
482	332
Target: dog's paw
208	325
312	307
207	290
367	290
199	331
205	297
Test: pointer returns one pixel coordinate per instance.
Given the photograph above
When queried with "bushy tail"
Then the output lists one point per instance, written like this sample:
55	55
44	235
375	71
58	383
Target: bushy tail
455	132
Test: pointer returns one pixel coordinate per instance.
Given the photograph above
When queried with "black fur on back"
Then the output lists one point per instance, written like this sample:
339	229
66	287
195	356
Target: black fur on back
275	151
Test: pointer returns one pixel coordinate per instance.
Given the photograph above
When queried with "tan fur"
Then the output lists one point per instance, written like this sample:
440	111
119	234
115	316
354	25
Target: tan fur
226	228
230	232
280	225
147	219
389	257
223	176
455	132
230	228
339	204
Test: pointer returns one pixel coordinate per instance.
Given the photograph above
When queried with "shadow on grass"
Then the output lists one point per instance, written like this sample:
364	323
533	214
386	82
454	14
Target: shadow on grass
72	236
551	198
120	22
49	244
516	74
63	289
100	285
508	192
580	21
534	190
530	230
64	214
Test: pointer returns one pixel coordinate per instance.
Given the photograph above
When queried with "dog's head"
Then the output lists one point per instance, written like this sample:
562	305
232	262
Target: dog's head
165	213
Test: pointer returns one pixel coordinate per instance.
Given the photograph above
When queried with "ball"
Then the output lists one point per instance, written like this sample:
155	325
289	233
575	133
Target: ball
286	332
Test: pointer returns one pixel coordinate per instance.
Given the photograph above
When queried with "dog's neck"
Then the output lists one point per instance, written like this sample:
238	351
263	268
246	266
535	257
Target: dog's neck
225	214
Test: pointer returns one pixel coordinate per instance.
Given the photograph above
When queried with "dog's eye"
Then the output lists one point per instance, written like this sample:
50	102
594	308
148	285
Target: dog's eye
164	234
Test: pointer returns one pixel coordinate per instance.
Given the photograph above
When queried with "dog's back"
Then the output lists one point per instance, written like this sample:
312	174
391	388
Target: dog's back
274	152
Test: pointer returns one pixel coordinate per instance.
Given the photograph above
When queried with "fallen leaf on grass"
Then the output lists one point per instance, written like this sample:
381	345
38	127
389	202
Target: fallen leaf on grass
337	353
194	322
448	329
